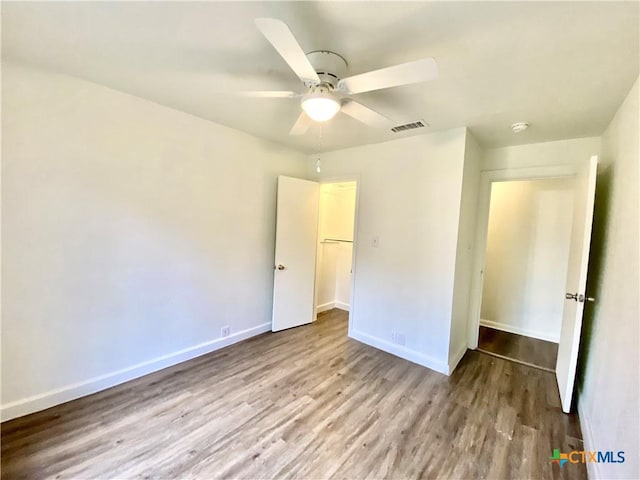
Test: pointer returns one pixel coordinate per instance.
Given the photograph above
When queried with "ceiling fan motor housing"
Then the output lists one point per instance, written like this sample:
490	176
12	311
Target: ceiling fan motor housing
329	66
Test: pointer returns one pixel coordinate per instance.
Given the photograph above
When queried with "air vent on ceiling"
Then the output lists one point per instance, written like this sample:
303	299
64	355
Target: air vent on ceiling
409	126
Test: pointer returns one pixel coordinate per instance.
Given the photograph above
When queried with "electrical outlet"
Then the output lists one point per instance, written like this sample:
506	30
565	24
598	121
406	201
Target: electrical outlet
398	338
225	331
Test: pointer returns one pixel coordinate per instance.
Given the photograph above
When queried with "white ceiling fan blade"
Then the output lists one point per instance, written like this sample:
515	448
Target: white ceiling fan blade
267	94
301	126
288	47
403	74
365	114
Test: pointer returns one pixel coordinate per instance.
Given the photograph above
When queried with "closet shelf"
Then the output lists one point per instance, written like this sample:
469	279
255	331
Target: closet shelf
329	240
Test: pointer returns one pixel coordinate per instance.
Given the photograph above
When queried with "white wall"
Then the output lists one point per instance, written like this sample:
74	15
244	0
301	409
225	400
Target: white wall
464	251
131	234
409	197
326	276
526	258
343	275
608	371
561	152
337	210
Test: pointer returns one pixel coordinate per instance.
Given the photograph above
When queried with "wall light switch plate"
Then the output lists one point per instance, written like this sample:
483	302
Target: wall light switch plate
375	242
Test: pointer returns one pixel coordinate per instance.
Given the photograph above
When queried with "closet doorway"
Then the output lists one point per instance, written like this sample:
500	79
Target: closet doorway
526	259
314	251
334	259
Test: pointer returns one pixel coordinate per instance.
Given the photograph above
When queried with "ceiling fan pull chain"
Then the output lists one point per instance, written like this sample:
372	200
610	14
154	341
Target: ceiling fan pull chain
319	148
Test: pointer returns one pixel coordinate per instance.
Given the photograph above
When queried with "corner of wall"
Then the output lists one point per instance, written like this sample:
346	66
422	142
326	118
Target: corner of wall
457	357
589	444
467	218
402	352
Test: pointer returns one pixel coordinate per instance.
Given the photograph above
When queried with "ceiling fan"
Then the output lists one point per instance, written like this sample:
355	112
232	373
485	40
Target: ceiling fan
322	72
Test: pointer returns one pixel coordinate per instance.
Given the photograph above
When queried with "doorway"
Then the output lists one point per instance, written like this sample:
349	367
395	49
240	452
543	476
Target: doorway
334	260
314	253
575	296
525	270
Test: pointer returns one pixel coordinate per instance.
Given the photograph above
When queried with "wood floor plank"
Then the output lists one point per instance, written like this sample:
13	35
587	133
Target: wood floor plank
532	351
304	403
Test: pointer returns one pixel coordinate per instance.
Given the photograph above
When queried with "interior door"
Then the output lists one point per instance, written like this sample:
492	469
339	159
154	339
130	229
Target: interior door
575	298
295	256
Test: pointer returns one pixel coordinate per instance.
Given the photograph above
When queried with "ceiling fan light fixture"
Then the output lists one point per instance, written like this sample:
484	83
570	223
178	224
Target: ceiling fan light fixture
320	106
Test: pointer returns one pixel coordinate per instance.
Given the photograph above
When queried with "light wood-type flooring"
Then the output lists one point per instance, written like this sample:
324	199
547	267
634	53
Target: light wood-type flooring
518	347
304	403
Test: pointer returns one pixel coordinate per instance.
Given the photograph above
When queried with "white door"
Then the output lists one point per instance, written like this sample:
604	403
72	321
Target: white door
295	258
585	188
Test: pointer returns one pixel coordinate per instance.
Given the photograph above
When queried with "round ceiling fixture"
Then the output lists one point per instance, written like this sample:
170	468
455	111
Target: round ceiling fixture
320	105
519	127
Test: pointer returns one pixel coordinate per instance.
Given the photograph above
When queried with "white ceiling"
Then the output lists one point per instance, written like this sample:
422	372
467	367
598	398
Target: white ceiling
563	67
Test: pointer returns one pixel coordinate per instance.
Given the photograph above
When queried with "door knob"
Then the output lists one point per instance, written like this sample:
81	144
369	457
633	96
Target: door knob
571	296
582	298
281	267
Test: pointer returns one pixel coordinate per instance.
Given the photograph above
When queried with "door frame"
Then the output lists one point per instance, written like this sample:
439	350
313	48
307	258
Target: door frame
341	179
487	178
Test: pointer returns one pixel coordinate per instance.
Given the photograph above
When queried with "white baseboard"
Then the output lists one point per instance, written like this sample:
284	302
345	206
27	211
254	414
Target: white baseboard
342	306
325	306
64	394
401	351
453	362
330	305
519	331
593	472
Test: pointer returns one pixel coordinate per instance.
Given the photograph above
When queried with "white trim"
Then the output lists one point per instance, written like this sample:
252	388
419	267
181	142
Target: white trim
400	351
487	177
324	307
520	331
588	443
342	306
453	363
64	394
329	305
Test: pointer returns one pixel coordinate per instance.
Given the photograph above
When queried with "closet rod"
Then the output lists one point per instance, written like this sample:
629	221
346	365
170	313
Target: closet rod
337	240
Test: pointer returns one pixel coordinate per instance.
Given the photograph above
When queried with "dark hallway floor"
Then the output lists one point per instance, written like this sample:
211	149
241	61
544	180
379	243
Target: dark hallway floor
529	350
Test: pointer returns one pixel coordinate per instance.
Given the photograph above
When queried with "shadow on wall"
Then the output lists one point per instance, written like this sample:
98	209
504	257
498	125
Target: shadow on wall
596	259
